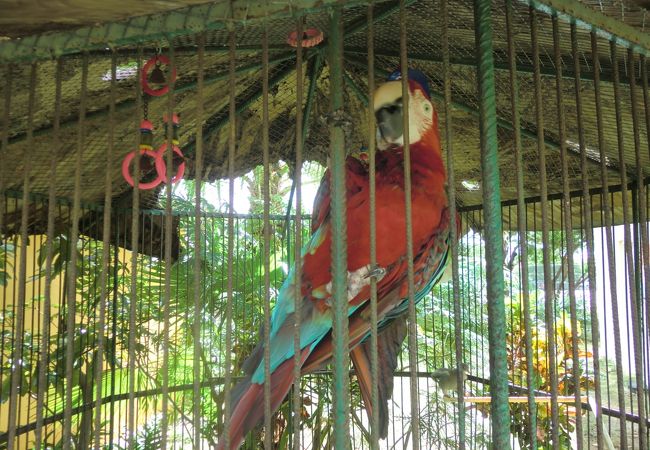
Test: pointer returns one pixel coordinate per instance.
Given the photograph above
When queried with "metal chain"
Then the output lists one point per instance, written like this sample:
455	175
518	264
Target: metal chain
145	106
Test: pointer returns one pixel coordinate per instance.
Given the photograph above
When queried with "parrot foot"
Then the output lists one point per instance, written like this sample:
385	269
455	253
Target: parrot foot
377	272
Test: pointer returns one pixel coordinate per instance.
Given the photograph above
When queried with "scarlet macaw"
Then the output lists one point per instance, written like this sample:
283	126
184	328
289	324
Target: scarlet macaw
430	225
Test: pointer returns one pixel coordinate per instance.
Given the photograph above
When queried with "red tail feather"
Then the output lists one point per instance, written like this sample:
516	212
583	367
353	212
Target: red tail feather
249	410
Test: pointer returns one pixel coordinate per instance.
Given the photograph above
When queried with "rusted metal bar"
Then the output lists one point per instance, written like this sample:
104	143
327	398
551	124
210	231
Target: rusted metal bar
19	323
521	224
453	228
549	290
297	177
267	239
135	233
73	258
164	420
408	211
588	228
627	242
609	240
568	223
198	244
372	155
232	147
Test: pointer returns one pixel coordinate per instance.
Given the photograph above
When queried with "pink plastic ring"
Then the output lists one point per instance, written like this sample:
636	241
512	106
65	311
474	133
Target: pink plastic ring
161	167
126	163
145	72
311	37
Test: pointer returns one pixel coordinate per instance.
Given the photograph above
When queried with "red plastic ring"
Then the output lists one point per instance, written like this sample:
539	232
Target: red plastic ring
126	163
311	37
161	167
145	72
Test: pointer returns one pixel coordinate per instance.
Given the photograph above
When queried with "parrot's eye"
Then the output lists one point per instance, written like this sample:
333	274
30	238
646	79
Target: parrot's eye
426	106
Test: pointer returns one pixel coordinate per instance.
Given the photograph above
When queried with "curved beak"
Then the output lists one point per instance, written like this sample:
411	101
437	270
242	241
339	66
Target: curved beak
390	123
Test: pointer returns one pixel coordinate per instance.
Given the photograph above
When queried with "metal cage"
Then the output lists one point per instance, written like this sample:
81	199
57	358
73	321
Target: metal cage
126	314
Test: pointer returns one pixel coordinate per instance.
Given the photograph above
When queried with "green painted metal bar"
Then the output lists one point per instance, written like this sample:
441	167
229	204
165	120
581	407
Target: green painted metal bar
339	240
573	11
493	234
160	26
70	121
547	70
315	70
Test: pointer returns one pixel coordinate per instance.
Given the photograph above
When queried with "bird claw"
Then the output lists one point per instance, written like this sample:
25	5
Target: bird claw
377	272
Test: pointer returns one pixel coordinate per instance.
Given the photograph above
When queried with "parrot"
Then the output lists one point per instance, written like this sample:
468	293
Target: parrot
431	250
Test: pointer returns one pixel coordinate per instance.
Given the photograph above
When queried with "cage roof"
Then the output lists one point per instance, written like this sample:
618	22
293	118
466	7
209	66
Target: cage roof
424	23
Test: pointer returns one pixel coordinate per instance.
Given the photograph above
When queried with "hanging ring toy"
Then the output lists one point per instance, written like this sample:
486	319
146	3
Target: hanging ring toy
311	37
146	149
127	174
154	63
161	167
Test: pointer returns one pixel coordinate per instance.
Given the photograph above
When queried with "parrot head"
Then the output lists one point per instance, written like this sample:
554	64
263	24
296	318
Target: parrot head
389	114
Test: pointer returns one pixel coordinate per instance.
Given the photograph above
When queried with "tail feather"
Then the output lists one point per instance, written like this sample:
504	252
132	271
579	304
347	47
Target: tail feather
248	398
389	344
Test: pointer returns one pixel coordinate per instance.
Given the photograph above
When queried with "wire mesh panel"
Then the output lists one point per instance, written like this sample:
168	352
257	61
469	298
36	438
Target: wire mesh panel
508	170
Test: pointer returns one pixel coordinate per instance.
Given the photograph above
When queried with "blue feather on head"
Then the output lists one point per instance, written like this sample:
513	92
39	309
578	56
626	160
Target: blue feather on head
414	75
